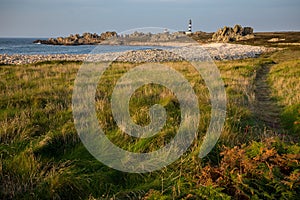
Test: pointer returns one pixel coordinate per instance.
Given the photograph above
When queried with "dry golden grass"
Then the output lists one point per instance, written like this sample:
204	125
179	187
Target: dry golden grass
284	78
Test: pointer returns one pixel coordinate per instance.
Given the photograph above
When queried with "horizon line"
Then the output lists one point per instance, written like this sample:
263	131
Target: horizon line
53	36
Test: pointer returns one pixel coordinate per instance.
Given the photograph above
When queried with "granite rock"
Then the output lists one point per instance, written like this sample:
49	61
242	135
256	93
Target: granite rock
229	34
84	39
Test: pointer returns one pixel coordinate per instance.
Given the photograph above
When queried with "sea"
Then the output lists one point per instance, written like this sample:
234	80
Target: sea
25	46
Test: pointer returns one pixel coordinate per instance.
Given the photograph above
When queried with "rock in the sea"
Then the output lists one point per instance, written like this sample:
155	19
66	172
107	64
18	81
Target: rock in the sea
84	39
229	34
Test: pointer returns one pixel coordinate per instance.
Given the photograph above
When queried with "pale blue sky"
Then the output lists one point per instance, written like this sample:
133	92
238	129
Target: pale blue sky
45	18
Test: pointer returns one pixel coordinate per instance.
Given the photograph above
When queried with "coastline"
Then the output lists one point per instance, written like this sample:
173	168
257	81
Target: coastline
217	51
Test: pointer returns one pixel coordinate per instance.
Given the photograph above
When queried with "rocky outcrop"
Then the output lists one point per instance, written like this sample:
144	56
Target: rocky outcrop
151	39
84	39
229	34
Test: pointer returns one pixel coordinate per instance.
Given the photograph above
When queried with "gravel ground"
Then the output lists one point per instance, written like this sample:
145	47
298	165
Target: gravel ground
215	51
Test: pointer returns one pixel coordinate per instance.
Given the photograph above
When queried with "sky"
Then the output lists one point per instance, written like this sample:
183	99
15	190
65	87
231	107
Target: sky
53	18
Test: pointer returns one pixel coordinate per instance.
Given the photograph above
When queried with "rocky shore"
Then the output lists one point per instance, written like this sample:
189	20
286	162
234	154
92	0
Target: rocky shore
84	39
226	34
112	38
217	51
28	59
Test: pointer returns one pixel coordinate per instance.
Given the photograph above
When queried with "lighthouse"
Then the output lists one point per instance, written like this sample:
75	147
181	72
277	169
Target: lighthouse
189	28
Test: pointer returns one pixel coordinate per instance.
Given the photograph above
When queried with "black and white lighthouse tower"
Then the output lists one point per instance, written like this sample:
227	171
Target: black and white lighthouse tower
190	27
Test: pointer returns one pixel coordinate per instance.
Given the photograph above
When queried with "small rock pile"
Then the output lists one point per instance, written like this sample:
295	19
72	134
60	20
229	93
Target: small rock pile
229	34
154	55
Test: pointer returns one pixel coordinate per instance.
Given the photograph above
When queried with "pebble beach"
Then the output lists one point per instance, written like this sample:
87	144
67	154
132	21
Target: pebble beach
217	51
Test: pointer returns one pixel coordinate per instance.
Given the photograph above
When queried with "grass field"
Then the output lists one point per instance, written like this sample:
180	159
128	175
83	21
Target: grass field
257	156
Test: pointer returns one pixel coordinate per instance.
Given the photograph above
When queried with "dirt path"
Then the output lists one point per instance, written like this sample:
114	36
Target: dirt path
265	108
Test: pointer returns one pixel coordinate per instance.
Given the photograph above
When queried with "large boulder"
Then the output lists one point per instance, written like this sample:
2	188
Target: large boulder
247	31
107	35
229	34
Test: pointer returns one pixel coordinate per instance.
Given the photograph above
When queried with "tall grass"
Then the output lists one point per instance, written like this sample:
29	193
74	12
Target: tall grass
43	158
284	78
